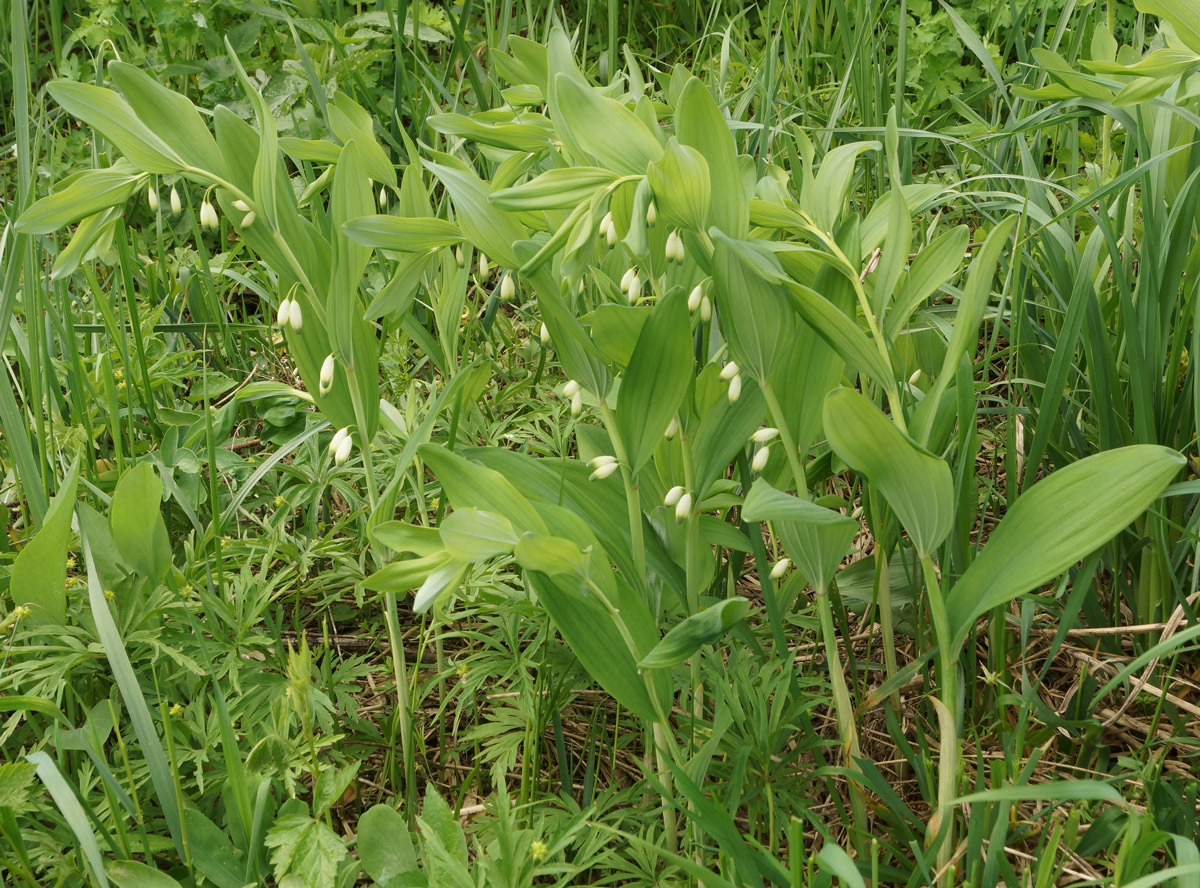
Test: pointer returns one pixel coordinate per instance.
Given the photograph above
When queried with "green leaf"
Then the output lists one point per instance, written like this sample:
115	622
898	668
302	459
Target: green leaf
682	186
817	539
932	268
39	573
1182	14
87	194
471	535
307	848
132	874
403	235
551	555
607	132
656	379
831	187
351	123
107	113
840	331
1056	522
917	485
402	537
559	189
384	846
752	308
468	484
699	629
407	573
171	116
700	124
64	797
1051	791
615	329
490	229
135	518
15	780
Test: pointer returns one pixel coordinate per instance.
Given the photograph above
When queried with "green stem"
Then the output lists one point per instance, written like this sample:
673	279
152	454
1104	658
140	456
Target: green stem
844	708
632	498
941	827
785	436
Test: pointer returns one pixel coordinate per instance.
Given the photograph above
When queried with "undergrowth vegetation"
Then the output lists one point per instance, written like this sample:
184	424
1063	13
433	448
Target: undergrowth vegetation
505	444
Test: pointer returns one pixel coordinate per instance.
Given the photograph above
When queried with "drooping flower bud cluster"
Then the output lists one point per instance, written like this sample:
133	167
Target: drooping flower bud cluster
603	466
733	375
327	371
341	445
674	250
608	230
631	285
574	391
290	315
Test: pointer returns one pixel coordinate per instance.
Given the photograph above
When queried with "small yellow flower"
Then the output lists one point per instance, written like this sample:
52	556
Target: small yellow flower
109	595
22	612
279	500
538	850
175	709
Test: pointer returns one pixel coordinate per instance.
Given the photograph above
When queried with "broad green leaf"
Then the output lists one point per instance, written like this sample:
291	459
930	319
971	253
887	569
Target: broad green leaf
1159	63
559	189
682	186
608	133
407	574
551	555
752	308
817	539
471	535
917	485
468	484
107	113
498	132
489	228
351	123
594	636
1183	15
724	427
138	529
831	187
402	537
132	874
1057	521
933	267
171	116
92	239
86	195
402	234
705	627
384	845
656	379
840	331
39	573
615	329
700	124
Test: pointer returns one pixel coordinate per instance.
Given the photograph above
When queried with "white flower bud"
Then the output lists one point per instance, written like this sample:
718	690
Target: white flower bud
208	216
248	219
630	274
673	495
508	289
603	471
779	568
459	256
544	334
152	198
651	215
604	460
570	388
383	195
605	224
694	298
912	380
241	206
338	437
735	388
635	290
327	369
343	451
484	268
705	310
611	236
176	203
683	508
674	249
285	312
672	429
761	458
295	316
577	403
729	371
762	436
